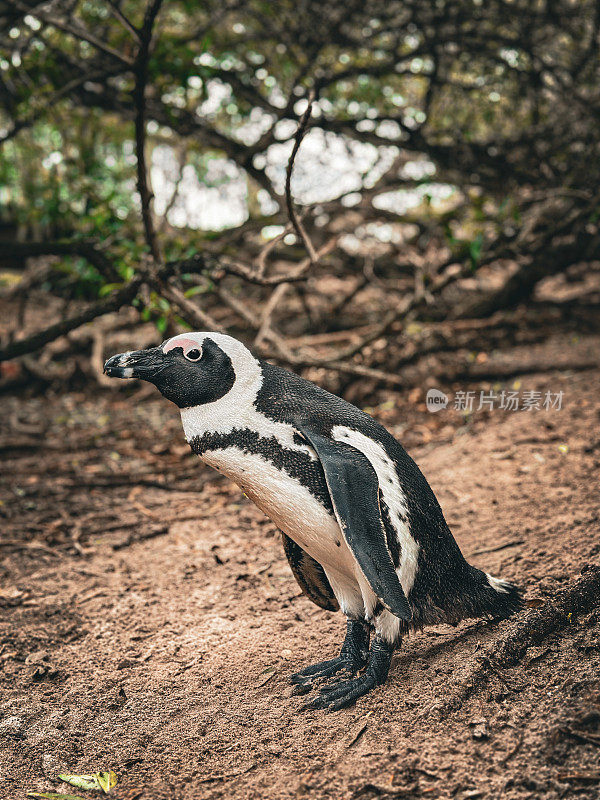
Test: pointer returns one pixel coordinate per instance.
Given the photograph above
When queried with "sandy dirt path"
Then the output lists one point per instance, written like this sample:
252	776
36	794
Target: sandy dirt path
167	658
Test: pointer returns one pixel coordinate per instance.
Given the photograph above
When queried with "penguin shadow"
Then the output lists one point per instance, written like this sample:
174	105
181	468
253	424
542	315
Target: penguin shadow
425	649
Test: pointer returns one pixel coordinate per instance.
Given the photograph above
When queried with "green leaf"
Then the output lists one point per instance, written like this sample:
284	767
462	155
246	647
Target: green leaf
99	781
55	796
108	288
475	249
194	290
81	781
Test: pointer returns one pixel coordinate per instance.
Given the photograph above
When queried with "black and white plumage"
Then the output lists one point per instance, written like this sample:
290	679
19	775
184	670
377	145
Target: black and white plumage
362	529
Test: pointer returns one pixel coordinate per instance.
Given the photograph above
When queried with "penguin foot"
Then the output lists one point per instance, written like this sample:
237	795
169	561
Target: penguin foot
352	658
346	693
325	669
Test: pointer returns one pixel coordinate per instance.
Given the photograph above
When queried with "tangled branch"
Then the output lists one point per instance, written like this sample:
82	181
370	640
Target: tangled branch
524	185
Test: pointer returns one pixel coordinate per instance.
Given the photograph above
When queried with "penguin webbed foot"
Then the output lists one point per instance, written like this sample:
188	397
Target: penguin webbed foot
341	695
346	693
352	658
304	679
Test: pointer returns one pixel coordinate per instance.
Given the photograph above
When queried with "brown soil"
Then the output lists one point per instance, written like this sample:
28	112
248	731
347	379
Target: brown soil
153	630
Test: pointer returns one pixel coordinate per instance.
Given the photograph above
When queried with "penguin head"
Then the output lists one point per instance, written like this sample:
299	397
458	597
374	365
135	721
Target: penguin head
190	369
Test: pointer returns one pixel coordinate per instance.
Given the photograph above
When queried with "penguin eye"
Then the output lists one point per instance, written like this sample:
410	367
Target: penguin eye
194	354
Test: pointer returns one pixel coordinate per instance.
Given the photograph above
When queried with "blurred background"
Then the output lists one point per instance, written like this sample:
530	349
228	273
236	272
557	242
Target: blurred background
446	182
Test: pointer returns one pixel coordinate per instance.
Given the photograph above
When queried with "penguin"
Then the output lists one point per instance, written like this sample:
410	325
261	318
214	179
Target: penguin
362	529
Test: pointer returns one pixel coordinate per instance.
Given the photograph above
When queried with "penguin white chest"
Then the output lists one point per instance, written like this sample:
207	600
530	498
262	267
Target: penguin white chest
290	504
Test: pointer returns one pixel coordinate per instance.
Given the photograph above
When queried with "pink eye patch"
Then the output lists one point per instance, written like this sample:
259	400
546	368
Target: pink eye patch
185	343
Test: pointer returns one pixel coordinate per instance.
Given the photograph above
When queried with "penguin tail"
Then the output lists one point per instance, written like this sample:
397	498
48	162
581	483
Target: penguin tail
497	598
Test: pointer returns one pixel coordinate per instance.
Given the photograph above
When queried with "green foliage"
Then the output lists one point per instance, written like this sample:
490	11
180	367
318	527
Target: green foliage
490	97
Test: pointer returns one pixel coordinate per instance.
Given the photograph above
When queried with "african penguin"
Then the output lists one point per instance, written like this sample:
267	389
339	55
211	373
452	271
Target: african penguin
362	529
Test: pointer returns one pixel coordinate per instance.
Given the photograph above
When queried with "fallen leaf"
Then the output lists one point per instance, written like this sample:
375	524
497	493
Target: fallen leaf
99	781
81	781
55	796
107	780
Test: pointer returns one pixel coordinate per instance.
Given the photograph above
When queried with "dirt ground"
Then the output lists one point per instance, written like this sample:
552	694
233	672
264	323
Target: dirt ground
150	622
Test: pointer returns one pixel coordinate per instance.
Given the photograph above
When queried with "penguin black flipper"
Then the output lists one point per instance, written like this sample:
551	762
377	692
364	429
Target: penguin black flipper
354	489
310	575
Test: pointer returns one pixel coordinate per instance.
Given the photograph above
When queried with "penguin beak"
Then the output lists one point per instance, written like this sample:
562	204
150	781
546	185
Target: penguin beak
143	364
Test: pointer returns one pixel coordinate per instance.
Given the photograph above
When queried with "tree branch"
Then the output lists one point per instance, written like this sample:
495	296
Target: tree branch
85	249
76	31
139	97
118	14
294	219
37	340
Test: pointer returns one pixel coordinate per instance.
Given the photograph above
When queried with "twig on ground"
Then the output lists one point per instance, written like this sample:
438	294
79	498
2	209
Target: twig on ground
588	738
497	548
225	776
132	538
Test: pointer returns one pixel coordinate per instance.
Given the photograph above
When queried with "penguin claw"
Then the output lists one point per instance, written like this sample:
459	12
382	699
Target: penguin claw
301	688
341	695
336	689
325	669
313	705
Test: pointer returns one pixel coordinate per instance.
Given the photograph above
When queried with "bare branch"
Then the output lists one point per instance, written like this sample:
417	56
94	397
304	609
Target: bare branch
37	340
141	78
411	302
261	261
85	249
190	311
201	261
265	322
294	219
75	30
118	14
579	596
239	307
